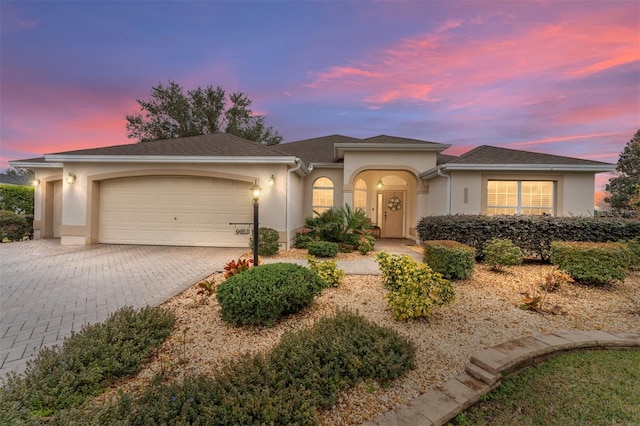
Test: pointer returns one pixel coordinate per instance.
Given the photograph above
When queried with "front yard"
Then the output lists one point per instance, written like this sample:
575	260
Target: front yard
485	312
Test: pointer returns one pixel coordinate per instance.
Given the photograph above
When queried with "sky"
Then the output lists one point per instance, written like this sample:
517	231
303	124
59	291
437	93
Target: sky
559	76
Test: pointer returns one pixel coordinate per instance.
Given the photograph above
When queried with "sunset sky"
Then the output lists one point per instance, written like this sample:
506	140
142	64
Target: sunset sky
561	77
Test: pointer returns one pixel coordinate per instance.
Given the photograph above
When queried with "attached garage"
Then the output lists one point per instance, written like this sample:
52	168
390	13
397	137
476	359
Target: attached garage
172	210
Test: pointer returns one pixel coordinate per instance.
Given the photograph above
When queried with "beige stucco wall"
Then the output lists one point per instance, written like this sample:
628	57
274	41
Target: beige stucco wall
414	162
437	196
80	207
578	194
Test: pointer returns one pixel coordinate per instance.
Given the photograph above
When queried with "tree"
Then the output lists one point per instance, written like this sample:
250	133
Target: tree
170	113
30	173
623	187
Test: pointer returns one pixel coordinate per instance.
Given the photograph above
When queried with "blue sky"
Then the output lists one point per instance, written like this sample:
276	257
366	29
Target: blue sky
561	77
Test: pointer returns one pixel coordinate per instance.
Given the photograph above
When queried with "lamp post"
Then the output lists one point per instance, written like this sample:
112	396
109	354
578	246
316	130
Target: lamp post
255	195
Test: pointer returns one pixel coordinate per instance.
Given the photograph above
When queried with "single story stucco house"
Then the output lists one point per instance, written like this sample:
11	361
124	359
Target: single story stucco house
195	191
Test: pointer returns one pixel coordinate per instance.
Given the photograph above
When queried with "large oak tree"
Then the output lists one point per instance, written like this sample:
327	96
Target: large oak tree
170	113
624	186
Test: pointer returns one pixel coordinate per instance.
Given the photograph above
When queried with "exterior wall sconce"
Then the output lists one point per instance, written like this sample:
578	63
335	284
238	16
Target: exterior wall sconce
272	180
71	178
255	195
36	182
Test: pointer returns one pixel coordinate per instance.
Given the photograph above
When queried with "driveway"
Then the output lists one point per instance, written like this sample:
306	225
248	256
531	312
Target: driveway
48	290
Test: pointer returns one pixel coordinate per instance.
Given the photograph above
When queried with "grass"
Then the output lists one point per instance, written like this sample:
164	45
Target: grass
579	388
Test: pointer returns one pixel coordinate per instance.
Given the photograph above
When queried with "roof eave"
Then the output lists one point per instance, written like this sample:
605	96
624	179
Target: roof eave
35	165
595	168
289	160
340	148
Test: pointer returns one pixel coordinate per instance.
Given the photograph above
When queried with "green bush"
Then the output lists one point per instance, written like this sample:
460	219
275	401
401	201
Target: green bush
501	252
633	246
366	243
263	294
415	288
533	234
327	270
17	199
85	364
323	249
289	385
302	239
591	263
455	261
339	225
268	242
13	227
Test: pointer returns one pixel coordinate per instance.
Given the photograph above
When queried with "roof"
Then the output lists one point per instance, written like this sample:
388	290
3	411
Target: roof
21	180
487	154
211	145
316	150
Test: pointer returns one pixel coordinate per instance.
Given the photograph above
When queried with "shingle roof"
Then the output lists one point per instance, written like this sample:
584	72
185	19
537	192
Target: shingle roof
316	150
212	145
384	139
486	154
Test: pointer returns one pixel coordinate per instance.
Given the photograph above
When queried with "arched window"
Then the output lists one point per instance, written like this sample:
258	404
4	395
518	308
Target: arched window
322	195
360	195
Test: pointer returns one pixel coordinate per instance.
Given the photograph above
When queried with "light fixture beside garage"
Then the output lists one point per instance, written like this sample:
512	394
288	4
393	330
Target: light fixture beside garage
71	178
272	180
255	195
36	182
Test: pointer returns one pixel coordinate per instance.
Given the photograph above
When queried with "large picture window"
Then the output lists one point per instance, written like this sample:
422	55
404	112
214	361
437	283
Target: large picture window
322	195
520	197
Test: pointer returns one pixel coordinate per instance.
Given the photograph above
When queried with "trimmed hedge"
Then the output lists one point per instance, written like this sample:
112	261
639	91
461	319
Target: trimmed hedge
287	386
18	199
13	227
323	249
591	263
501	252
268	242
454	260
263	294
533	234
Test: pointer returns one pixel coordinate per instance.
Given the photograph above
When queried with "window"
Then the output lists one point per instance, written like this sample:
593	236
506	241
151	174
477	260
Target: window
519	197
360	195
322	195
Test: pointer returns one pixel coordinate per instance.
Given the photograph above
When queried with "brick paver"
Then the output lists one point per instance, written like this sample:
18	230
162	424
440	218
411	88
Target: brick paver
48	290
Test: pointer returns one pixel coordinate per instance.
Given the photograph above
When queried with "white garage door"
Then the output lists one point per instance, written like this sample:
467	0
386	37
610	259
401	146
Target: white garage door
175	211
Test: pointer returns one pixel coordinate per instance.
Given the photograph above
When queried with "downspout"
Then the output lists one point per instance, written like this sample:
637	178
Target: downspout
448	189
288	202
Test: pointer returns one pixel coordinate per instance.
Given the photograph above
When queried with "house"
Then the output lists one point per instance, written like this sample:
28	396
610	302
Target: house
194	191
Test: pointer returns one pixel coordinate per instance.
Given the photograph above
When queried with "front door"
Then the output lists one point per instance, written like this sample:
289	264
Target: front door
393	203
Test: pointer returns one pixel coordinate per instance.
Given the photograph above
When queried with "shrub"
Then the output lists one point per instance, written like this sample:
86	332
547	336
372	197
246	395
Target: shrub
415	288
263	294
268	242
235	267
633	246
327	270
13	227
302	239
323	249
17	199
455	261
591	263
501	252
85	364
289	385
533	234
366	243
338	225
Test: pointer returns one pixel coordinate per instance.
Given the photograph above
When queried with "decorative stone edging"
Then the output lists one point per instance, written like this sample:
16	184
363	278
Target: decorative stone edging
487	368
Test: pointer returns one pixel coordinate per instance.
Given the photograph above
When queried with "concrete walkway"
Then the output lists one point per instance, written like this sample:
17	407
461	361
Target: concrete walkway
48	290
487	368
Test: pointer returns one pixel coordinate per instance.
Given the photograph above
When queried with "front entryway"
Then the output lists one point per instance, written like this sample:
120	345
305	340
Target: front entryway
393	216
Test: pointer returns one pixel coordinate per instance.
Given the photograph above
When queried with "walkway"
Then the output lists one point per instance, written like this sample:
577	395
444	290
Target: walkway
48	290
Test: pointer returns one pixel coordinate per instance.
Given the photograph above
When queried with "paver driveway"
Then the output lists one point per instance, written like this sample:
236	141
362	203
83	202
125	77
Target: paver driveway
48	290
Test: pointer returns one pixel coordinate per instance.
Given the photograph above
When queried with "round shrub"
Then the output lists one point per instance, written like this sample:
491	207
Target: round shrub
454	260
13	227
501	252
323	249
268	242
263	294
303	239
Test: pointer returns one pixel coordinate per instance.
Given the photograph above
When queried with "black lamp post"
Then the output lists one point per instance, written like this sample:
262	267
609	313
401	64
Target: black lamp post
255	195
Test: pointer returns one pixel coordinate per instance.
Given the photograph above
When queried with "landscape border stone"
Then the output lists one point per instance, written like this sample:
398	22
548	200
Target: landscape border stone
487	368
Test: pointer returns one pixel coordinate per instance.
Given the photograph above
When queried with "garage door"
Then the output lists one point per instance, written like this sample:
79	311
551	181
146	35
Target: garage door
175	211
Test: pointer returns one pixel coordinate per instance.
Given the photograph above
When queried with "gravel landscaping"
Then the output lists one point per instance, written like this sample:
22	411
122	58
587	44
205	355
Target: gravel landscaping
485	312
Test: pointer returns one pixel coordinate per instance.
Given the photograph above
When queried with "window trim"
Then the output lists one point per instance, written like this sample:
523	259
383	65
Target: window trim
314	187
519	207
